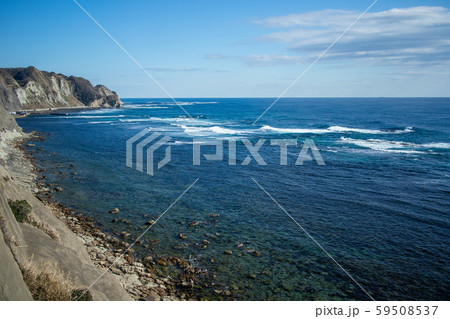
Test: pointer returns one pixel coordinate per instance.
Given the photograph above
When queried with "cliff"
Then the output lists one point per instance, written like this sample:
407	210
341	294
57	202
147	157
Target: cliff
40	89
47	243
8	102
43	250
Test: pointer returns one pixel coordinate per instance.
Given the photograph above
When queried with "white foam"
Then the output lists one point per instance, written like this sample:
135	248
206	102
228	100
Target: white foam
85	116
436	145
136	120
384	146
340	129
172	119
178	121
189	103
190	142
100	122
205	131
101	111
178	103
293	130
142	106
333	129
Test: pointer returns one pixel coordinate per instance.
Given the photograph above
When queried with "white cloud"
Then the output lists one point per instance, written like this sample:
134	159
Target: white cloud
215	56
269	59
417	36
157	69
317	18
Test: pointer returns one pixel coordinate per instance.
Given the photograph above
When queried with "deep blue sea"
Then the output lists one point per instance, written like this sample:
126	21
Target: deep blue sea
380	206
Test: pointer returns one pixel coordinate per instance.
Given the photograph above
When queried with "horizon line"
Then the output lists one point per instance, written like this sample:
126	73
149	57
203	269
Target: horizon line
298	97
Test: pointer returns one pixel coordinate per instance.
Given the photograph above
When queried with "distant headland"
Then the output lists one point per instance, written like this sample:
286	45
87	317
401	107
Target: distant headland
34	89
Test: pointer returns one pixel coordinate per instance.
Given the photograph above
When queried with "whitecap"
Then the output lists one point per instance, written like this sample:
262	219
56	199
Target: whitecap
145	107
188	103
333	129
293	130
101	111
100	122
136	120
85	116
205	131
384	145
436	145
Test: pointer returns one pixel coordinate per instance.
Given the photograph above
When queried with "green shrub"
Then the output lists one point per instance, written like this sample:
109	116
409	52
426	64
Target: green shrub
81	295
20	209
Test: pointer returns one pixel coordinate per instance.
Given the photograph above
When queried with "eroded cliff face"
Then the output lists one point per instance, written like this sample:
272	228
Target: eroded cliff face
22	242
40	89
8	102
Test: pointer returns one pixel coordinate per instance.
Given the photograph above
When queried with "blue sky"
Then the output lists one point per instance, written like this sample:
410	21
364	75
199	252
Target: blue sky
237	48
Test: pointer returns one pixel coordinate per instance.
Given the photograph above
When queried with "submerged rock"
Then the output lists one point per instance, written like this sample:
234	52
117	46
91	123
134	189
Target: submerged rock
114	211
187	284
222	292
255	253
193	224
228	252
125	234
162	261
226	292
182	236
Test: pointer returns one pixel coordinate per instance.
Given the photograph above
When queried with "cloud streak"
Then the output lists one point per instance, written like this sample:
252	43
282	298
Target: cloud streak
157	69
413	37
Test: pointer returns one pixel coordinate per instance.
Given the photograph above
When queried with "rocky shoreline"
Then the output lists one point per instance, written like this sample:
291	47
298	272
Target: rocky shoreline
142	278
75	244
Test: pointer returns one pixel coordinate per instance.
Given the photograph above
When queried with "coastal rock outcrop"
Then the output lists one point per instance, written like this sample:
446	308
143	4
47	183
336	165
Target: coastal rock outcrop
21	242
44	238
36	89
8	102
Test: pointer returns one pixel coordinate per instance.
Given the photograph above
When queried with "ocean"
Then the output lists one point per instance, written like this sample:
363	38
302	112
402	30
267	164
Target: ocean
380	205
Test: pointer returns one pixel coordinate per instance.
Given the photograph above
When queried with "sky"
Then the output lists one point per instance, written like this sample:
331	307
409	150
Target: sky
400	48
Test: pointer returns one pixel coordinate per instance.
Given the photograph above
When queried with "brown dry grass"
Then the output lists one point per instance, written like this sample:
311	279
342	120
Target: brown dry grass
45	227
46	282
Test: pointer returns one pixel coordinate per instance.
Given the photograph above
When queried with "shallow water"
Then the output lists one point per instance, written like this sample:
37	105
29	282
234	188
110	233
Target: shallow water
380	205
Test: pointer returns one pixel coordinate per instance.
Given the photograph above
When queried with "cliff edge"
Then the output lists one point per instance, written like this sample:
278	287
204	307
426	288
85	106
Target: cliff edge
39	250
40	89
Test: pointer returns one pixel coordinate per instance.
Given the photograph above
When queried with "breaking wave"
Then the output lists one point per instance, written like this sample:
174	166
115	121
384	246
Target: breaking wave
386	146
205	131
333	129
